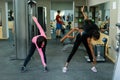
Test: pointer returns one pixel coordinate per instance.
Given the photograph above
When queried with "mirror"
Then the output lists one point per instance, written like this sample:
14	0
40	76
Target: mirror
101	15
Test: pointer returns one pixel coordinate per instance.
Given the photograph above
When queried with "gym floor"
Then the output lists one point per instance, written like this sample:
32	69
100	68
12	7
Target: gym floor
57	53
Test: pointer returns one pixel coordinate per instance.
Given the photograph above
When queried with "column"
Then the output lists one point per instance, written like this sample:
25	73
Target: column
116	75
21	28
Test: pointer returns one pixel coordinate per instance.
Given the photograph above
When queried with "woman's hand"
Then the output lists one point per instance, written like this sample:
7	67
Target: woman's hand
85	15
82	9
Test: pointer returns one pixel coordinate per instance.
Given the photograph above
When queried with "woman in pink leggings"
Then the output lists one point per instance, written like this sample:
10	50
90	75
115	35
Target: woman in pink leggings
39	42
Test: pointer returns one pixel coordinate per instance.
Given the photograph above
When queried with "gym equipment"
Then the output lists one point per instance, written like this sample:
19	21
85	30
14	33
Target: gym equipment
99	51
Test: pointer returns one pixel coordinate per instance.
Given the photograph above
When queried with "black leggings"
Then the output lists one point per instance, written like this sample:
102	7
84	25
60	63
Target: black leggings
31	52
77	42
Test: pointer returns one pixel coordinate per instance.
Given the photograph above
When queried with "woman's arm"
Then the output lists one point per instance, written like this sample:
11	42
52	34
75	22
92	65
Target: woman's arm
39	26
85	16
67	35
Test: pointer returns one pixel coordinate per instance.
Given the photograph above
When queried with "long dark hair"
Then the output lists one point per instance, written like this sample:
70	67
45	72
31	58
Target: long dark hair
92	29
95	34
89	25
41	39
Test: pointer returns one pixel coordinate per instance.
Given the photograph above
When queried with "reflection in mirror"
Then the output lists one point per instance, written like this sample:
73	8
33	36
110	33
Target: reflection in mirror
101	15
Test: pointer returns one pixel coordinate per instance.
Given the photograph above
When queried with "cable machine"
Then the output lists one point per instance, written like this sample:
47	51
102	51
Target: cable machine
32	29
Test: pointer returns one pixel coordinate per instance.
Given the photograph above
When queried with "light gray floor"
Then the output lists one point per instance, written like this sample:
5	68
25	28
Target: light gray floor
79	68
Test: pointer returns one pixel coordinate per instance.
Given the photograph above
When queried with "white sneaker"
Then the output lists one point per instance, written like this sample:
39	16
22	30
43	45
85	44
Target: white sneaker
94	69
64	69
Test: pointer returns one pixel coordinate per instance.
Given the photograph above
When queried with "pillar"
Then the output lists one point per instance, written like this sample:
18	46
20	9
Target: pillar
21	28
116	75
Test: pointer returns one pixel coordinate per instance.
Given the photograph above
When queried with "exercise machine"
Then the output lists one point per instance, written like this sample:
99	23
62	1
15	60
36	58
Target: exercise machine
99	51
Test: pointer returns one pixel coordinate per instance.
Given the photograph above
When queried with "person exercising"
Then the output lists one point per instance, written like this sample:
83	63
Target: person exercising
39	42
90	31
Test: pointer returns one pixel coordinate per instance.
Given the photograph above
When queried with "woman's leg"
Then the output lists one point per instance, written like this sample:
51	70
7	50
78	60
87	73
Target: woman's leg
84	40
74	49
31	52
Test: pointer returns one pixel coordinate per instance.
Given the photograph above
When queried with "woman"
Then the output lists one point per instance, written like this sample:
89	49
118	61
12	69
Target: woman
39	42
89	31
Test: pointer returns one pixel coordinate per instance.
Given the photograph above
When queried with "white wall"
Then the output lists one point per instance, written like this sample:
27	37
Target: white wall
117	67
116	75
95	2
61	5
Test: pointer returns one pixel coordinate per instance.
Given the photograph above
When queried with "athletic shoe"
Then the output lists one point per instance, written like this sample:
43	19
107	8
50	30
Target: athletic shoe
57	37
45	69
94	69
64	70
23	69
